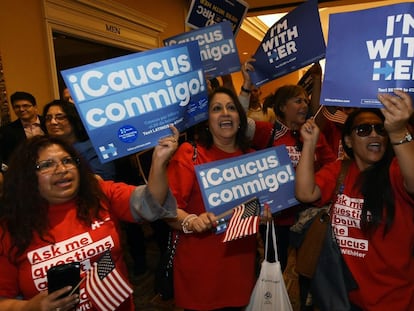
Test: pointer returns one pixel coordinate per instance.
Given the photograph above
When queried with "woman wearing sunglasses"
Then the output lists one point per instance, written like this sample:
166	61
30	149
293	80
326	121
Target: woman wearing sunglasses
373	215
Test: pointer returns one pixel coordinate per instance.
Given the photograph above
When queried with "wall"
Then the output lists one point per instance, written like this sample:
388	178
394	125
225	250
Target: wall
172	12
23	48
23	41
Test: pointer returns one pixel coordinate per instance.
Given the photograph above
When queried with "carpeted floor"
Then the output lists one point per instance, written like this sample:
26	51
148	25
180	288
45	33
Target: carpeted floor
145	297
147	300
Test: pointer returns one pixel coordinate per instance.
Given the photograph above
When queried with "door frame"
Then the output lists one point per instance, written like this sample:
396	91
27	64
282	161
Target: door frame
103	21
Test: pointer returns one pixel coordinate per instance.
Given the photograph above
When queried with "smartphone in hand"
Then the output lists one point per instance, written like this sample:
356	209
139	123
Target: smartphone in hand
63	275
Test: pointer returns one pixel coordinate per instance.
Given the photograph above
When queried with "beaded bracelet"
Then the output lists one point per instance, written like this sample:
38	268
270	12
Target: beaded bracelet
186	222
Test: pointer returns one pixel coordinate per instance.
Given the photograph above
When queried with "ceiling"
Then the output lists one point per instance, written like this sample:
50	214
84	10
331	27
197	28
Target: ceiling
71	51
254	29
260	7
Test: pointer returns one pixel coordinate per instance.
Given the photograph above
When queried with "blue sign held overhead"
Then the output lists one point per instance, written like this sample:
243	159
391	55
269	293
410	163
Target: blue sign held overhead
369	52
204	13
218	50
127	103
293	42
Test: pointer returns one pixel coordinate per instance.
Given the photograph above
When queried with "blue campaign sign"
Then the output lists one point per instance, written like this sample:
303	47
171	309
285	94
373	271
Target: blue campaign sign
267	174
204	13
127	103
293	42
369	52
218	50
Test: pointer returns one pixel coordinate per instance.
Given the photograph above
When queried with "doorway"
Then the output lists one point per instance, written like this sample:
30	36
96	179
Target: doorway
72	52
81	32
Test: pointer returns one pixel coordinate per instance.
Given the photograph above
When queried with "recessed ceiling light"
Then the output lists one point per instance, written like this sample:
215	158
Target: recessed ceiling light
270	19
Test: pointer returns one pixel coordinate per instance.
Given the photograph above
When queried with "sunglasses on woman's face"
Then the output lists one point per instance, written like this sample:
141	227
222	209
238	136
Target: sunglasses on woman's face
364	130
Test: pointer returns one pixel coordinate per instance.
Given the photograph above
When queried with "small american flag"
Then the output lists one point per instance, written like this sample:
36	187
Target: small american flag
244	221
280	130
106	288
338	117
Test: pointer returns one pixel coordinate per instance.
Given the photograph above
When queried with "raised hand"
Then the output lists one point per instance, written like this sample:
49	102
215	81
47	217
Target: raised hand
166	147
397	111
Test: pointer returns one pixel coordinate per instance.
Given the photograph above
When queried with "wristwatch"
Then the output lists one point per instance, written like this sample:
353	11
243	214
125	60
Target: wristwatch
407	138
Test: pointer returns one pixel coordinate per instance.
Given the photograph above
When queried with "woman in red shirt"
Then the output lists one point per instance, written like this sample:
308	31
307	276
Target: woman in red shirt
56	211
373	215
291	105
210	274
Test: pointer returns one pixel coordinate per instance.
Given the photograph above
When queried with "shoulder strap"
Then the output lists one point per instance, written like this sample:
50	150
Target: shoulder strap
276	127
340	181
344	169
194	151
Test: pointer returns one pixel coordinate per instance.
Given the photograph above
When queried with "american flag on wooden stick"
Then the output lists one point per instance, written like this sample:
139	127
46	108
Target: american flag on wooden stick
244	221
106	288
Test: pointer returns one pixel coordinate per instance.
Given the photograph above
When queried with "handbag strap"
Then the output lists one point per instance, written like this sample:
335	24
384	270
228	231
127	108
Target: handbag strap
171	247
340	181
195	152
268	225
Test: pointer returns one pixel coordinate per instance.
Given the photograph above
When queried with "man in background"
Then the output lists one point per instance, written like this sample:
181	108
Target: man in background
28	124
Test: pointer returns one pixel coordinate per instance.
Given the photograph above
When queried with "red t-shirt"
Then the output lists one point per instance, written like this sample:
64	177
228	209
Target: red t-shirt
74	242
323	155
262	135
333	135
382	265
208	274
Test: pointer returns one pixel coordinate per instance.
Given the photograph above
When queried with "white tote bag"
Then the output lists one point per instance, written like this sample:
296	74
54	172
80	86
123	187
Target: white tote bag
269	293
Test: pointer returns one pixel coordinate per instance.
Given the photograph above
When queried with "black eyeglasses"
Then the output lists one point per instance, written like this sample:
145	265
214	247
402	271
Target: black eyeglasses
364	130
57	117
50	166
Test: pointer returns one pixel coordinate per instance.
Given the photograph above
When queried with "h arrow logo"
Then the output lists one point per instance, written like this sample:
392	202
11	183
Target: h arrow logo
107	151
387	70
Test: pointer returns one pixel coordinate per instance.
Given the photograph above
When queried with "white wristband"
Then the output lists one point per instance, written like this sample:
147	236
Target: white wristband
186	222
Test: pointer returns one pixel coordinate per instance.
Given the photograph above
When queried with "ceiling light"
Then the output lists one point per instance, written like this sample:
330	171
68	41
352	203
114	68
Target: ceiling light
270	19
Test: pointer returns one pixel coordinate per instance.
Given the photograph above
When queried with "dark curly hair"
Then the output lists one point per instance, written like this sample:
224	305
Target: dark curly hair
24	211
206	138
374	182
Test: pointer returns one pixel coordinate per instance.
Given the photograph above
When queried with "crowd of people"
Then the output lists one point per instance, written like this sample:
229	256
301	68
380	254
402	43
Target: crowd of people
56	194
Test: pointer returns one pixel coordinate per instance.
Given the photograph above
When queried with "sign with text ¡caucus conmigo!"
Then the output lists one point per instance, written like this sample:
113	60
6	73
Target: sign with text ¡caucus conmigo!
267	174
218	50
369	52
127	103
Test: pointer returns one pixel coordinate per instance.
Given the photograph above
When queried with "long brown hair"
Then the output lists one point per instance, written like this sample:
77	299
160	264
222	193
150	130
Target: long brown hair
282	95
25	212
204	136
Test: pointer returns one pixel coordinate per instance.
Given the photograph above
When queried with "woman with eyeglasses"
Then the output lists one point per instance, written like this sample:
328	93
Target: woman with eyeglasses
373	215
56	211
62	120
